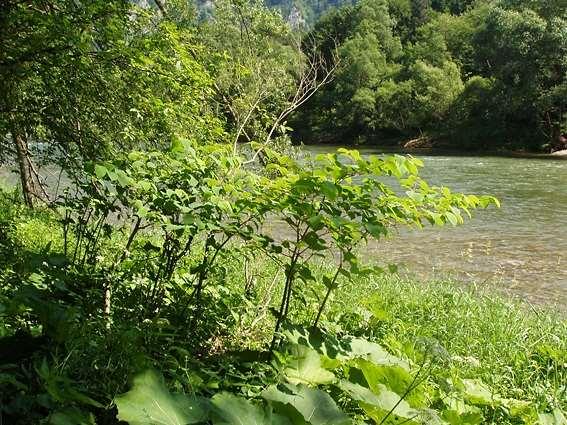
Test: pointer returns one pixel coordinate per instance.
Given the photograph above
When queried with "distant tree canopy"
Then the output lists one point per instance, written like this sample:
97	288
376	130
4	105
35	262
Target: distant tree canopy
475	74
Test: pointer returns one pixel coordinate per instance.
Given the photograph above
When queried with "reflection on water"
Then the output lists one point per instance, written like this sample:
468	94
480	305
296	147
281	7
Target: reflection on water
521	247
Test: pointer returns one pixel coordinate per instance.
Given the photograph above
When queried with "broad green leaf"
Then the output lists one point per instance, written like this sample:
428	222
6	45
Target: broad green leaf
555	418
452	218
328	282
145	185
150	403
523	409
453	417
330	190
476	392
315	242
358	348
460	413
315	406
229	409
315	222
305	274
100	171
123	179
306	368
393	376
178	145
134	156
376	230
379	402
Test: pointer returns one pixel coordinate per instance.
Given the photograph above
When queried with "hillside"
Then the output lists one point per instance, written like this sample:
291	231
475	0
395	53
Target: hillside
306	12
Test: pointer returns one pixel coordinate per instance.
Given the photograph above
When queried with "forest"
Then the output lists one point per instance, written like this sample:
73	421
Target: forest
169	255
464	75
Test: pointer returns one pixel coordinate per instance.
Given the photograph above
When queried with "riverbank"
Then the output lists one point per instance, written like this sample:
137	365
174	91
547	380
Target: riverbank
518	349
516	355
515	249
401	146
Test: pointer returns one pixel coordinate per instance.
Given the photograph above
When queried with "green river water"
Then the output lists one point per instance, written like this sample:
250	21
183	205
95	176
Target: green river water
520	248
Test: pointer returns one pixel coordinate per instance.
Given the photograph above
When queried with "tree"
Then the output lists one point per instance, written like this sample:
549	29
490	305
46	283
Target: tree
261	73
526	53
368	50
84	79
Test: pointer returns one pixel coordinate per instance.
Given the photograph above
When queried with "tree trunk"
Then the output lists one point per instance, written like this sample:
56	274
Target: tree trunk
25	166
558	140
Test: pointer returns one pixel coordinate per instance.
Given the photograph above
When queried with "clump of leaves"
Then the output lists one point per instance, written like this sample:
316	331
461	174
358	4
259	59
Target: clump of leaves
328	381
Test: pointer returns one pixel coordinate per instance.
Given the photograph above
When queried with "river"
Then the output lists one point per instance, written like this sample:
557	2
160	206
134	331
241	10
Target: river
520	249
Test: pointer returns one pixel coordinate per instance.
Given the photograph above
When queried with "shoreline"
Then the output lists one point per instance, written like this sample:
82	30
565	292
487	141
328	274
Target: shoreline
439	151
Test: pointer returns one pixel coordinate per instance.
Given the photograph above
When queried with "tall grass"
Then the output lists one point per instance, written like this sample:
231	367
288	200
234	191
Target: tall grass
518	349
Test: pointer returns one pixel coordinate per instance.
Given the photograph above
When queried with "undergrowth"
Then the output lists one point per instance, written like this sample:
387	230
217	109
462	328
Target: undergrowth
112	317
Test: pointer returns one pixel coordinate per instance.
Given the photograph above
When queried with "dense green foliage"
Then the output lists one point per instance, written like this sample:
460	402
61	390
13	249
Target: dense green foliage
188	266
474	75
453	357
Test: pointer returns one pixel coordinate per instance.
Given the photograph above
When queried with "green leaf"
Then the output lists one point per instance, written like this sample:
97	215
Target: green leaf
100	171
330	190
376	230
72	417
123	178
460	413
315	222
523	409
392	376
328	282
306	368
476	392
178	145
314	241
358	348
379	402
452	218
150	403
233	410
455	418
555	418
305	274
315	406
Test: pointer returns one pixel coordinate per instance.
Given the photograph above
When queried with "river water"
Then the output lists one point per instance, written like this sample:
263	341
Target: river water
520	248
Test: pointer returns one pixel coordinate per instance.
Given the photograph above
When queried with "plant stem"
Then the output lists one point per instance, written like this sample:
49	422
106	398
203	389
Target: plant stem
329	289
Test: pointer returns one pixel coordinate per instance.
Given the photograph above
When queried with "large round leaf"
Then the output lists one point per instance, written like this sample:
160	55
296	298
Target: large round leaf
150	403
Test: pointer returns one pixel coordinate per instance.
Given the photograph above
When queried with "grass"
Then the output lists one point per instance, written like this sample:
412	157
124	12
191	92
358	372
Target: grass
519	350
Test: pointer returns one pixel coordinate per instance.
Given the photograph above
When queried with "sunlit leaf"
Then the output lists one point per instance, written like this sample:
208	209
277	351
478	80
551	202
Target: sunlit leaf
381	404
150	403
557	417
100	171
229	409
315	406
306	367
476	392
